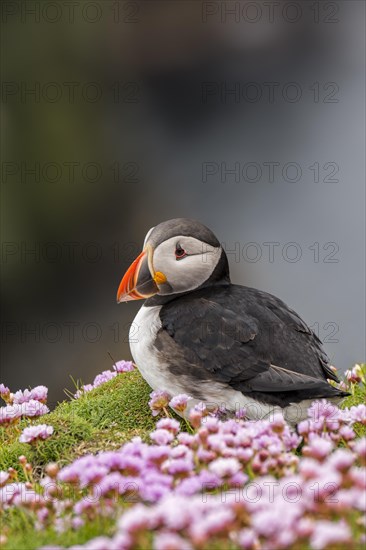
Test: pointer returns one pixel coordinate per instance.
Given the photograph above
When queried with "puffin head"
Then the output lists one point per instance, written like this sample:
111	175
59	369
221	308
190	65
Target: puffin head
178	256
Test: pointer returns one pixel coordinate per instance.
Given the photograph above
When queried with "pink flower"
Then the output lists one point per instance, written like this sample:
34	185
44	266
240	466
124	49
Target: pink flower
178	466
159	400
9	414
112	483
157	455
78	522
100	543
123	366
330	532
360	448
248	539
4	393
304	527
170	541
185	439
318	447
347	433
225	467
201	407
211	424
278	422
358	414
33	408
341	460
84	389
216	520
104	377
169	424
355	375
122	541
161	437
4	476
240	413
135	519
309	468
39	393
179	402
195	418
323	409
35	433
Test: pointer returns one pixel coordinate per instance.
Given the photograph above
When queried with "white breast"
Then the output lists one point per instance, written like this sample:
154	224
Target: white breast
154	370
142	337
149	361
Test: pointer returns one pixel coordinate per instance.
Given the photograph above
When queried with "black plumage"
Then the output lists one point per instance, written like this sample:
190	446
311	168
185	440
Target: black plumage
246	338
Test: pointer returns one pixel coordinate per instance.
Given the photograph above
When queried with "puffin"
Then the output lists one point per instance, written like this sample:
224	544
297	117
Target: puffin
229	346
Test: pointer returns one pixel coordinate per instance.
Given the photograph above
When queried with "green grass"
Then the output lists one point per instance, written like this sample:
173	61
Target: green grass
358	396
24	537
99	420
102	419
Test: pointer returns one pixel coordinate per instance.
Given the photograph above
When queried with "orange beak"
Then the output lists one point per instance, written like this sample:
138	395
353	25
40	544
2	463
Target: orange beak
139	281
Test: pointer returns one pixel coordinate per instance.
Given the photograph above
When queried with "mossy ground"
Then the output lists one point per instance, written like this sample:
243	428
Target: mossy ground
102	419
99	420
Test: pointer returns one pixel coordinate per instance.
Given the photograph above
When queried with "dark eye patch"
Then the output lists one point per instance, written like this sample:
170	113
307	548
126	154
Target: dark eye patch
179	252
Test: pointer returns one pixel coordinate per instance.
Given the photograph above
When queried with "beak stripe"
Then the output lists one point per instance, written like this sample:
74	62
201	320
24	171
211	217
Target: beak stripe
138	282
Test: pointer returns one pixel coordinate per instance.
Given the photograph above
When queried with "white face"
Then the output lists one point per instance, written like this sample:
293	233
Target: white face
186	262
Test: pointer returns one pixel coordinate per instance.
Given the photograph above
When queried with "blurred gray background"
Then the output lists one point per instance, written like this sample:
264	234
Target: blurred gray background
248	116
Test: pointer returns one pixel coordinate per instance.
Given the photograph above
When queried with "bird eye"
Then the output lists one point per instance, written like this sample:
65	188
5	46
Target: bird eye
180	252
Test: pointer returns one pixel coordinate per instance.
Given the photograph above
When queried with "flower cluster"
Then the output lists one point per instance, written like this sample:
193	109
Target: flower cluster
223	483
234	480
32	434
179	402
10	414
105	376
326	420
38	393
123	366
353	377
22	404
159	401
5	393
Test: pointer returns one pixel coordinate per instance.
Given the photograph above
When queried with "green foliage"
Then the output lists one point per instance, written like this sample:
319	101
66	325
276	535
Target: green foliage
24	537
358	395
101	419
